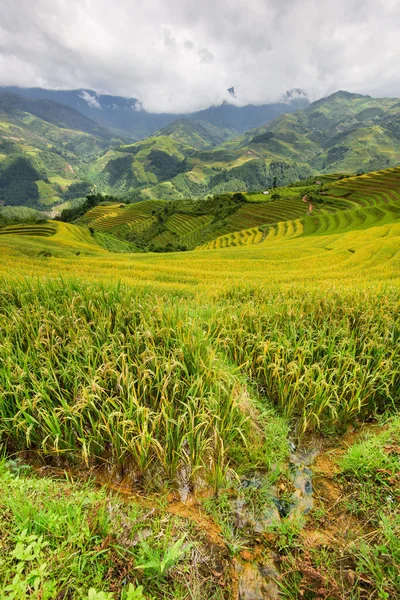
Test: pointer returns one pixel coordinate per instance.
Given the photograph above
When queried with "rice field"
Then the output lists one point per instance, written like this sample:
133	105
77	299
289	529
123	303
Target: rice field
111	217
372	200
185	376
44	230
159	383
352	202
185	228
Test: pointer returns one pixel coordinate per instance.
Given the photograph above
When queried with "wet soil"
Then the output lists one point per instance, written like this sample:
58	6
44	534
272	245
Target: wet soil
254	574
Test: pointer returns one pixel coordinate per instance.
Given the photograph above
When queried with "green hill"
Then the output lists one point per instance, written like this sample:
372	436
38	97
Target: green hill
183	425
342	133
197	134
45	150
50	154
161	157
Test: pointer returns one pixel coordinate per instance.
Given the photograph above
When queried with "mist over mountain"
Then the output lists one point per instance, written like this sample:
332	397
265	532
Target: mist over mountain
343	133
51	153
126	116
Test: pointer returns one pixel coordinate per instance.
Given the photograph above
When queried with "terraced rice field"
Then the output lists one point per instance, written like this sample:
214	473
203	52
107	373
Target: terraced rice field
253	215
114	217
182	381
52	239
183	224
370	189
374	200
42	229
187	228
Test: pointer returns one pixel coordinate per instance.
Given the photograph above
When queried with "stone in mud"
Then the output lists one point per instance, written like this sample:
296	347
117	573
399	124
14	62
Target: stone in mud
257	581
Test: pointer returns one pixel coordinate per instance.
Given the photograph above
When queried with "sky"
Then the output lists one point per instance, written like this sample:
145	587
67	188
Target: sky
183	55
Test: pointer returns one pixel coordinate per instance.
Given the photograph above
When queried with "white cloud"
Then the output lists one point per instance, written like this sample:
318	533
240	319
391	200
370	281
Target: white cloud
182	56
91	100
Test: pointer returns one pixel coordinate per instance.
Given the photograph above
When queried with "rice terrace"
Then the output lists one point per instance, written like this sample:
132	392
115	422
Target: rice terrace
202	389
199	341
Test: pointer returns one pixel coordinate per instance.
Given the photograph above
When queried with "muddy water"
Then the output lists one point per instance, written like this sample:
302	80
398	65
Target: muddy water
256	576
300	465
257	580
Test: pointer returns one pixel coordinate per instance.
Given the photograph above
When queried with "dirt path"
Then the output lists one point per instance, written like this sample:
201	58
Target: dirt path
310	205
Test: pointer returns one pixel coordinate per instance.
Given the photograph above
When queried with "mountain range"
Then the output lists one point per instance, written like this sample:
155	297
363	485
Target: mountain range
51	152
127	118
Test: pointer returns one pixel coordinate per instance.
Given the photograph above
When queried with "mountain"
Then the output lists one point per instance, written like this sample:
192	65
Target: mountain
341	133
53	112
158	158
45	148
197	134
242	118
122	115
296	97
344	132
49	152
127	117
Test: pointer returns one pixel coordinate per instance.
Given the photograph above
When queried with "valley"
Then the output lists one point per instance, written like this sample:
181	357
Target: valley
58	155
199	357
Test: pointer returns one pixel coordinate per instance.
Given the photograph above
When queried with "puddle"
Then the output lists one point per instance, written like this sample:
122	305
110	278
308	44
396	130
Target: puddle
299	504
257	581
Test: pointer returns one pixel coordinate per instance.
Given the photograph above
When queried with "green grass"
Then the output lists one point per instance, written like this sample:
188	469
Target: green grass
371	468
65	539
185	374
350	547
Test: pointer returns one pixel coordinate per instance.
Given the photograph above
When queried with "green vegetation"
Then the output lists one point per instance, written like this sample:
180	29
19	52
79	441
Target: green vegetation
92	200
371	469
11	215
350	547
51	154
45	149
228	393
167	421
66	539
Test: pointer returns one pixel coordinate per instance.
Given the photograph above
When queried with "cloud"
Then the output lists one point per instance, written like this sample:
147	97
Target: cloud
91	100
182	56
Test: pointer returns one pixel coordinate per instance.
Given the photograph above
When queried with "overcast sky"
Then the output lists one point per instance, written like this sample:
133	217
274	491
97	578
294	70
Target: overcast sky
182	55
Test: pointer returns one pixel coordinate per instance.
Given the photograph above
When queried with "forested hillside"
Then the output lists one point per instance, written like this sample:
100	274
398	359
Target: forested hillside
345	133
51	154
45	150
